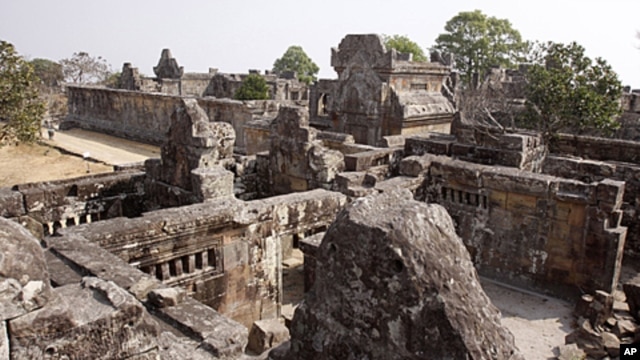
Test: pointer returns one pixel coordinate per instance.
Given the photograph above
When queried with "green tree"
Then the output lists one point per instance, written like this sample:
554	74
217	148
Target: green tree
479	42
295	59
113	80
254	87
405	45
83	68
21	109
568	91
49	72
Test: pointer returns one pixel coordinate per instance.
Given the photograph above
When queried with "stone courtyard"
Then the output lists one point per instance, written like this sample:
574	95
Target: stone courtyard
399	204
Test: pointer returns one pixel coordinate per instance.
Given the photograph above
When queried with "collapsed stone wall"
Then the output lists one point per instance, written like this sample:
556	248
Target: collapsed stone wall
542	232
47	206
227	254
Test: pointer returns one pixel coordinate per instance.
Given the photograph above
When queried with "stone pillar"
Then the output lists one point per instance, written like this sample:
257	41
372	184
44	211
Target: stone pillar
191	263
164	271
177	263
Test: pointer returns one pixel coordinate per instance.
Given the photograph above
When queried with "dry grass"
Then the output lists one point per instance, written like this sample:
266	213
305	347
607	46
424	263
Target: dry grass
26	163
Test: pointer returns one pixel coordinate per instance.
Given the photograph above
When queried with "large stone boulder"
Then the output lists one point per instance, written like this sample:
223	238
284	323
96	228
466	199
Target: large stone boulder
396	282
24	278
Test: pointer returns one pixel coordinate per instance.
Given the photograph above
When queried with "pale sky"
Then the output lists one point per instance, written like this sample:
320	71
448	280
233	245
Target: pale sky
236	35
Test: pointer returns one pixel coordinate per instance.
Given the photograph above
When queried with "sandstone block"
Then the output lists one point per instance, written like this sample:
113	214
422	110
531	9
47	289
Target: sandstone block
415	165
167	297
212	183
625	328
419	145
325	163
141	288
266	334
218	334
11	203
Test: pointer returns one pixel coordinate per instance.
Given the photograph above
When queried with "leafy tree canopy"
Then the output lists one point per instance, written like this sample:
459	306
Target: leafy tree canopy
49	72
567	90
21	109
254	87
112	80
295	59
83	68
479	42
405	45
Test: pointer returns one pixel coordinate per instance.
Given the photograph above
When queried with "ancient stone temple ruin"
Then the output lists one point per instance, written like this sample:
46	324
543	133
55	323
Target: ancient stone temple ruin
388	192
380	92
171	79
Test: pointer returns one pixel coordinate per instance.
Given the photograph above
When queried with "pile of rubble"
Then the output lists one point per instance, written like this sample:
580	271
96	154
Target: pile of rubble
604	322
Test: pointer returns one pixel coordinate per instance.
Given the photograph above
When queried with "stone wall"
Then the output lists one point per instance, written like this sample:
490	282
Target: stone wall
593	171
227	254
142	116
594	159
596	148
47	206
538	231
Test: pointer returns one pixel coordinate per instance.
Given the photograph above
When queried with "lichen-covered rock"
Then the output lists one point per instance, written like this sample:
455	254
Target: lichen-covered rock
92	320
396	283
24	279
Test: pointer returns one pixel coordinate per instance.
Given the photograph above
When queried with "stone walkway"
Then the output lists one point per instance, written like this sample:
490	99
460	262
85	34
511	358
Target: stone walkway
103	148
